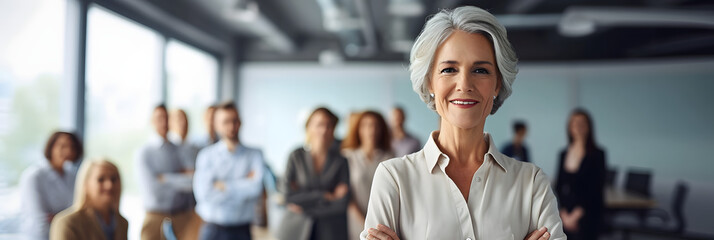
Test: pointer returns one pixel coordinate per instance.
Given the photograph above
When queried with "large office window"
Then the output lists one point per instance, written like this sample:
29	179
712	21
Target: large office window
191	76
31	70
125	65
123	84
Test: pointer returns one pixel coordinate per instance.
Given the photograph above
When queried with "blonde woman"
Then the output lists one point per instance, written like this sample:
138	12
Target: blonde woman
95	211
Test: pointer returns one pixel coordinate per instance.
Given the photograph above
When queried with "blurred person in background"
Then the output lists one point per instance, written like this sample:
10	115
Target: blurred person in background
459	186
317	182
188	152
351	123
581	179
403	143
178	135
517	148
95	213
165	183
228	181
366	145
211	136
48	187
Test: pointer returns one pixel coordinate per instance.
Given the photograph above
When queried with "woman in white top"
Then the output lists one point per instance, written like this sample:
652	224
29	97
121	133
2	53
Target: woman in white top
366	145
459	186
47	188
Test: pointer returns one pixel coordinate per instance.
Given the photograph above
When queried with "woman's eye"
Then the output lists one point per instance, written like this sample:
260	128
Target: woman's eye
481	70
448	70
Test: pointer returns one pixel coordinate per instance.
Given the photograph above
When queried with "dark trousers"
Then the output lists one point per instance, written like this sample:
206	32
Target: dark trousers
210	231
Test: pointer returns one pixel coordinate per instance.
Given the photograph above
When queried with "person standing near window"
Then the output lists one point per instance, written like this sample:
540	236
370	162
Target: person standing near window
228	181
94	215
47	188
210	137
178	135
164	182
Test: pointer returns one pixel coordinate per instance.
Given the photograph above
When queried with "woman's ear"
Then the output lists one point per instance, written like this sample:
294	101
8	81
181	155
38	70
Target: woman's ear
499	83
428	86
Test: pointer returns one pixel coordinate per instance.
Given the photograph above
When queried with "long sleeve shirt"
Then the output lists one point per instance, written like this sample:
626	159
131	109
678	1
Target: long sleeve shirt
44	192
186	149
507	199
234	205
584	188
405	146
164	187
362	172
306	187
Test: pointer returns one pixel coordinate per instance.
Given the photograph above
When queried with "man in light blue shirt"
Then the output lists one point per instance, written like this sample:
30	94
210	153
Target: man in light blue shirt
165	182
228	181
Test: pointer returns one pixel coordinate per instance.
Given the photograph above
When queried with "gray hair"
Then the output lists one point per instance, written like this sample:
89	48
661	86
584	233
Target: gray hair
468	19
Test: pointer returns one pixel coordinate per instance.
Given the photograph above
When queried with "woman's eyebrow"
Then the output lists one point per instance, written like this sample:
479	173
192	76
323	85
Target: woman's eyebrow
475	63
450	62
482	63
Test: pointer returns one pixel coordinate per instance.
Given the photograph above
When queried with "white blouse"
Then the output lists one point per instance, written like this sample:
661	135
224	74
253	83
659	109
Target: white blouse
508	199
362	172
44	192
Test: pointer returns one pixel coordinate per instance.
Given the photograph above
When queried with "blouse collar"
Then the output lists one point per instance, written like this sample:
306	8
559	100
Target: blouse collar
433	154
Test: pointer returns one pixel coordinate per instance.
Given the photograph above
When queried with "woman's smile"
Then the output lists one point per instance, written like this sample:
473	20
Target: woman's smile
463	103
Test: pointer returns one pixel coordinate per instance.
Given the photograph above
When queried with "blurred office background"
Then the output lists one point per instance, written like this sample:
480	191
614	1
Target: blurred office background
643	68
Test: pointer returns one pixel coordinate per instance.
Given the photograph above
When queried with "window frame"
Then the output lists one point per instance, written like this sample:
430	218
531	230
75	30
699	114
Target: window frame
76	37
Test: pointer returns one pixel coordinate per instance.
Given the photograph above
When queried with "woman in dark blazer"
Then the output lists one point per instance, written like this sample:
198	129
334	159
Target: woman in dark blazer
581	179
317	184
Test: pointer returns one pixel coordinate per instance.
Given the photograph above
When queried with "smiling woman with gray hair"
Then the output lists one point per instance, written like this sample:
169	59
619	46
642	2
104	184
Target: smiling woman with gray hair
459	186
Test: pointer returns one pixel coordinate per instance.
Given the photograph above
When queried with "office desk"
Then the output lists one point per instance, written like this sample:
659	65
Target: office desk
620	199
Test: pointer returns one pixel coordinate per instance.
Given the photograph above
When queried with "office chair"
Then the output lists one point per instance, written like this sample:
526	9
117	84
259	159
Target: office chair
611	177
672	225
677	211
638	181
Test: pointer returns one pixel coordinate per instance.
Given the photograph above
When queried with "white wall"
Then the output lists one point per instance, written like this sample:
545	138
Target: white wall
649	114
275	100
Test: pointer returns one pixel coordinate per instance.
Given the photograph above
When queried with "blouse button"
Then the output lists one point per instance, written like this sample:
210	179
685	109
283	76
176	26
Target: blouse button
478	179
468	238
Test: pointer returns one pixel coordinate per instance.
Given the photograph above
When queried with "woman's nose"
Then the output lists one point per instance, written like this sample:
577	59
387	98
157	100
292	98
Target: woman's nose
463	84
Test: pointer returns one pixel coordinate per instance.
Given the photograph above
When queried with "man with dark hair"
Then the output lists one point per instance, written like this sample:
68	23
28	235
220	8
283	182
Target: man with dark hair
228	181
165	182
517	149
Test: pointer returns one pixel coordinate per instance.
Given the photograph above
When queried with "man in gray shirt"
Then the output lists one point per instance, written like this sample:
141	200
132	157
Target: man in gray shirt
165	183
402	142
